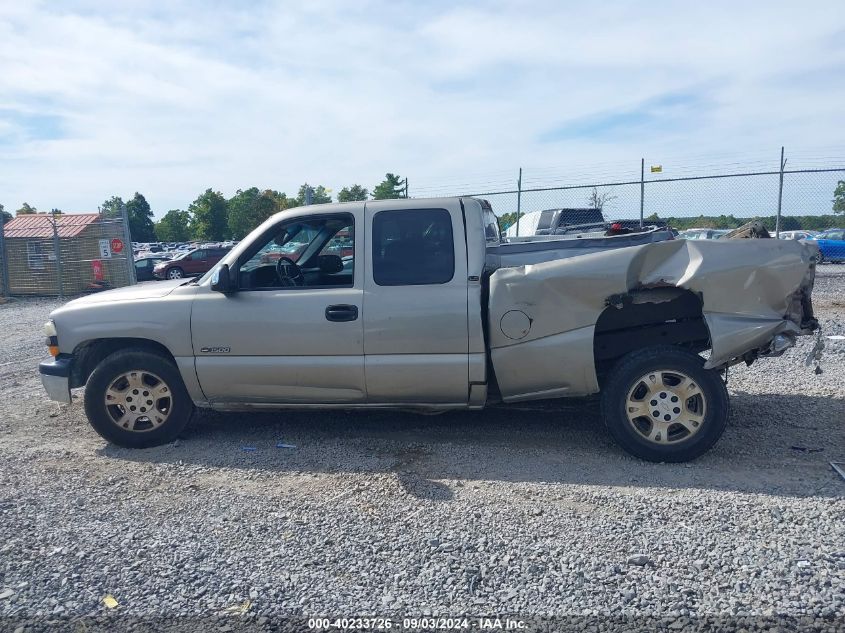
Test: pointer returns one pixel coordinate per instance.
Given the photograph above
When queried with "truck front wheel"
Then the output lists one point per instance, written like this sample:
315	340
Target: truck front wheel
661	405
136	399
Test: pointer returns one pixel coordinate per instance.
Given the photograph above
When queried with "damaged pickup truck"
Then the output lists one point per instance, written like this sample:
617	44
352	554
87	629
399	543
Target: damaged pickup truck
421	304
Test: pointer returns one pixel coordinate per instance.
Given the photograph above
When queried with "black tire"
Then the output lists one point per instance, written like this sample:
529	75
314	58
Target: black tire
625	379
175	273
102	417
820	259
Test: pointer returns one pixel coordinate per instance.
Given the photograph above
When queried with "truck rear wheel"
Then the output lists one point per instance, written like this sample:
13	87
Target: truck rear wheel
661	405
136	399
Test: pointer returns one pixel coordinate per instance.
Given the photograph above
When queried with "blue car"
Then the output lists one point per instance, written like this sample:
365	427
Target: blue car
831	245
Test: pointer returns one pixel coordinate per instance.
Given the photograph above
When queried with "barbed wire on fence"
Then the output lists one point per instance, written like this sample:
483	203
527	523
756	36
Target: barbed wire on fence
742	188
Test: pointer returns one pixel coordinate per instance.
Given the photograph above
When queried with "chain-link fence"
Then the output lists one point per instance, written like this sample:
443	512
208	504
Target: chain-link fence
782	198
64	254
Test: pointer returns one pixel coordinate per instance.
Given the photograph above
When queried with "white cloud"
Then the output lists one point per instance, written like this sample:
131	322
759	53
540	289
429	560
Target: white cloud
169	99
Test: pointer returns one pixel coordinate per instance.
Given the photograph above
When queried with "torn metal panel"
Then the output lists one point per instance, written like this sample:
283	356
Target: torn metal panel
748	290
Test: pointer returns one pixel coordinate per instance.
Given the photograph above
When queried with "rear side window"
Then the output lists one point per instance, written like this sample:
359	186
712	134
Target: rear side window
491	226
413	247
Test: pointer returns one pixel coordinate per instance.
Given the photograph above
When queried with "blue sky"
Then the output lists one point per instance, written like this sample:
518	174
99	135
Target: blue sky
98	99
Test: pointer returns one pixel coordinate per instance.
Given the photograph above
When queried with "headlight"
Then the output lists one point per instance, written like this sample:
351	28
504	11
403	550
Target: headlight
52	340
49	329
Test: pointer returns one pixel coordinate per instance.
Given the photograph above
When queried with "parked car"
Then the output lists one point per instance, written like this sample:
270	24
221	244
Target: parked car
702	234
831	245
797	235
291	250
195	262
144	266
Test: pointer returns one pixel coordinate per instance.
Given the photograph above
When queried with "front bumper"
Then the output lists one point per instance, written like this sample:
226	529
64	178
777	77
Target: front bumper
55	376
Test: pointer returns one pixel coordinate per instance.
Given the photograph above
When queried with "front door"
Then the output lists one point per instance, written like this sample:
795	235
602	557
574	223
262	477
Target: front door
194	263
293	332
416	342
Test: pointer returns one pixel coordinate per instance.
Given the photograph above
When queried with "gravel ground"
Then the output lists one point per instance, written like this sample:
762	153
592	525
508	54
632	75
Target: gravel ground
527	510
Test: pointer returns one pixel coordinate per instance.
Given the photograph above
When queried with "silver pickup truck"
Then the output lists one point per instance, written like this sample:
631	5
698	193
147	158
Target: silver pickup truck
421	304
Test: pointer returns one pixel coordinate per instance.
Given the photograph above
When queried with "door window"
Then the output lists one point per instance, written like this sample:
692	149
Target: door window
318	252
413	247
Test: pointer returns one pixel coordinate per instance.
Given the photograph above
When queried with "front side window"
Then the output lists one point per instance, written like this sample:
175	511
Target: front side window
413	247
311	252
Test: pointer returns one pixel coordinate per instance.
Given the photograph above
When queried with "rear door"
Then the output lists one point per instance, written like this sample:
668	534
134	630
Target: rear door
415	303
213	256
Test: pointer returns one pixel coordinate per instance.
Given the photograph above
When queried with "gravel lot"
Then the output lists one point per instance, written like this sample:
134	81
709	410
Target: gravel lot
529	510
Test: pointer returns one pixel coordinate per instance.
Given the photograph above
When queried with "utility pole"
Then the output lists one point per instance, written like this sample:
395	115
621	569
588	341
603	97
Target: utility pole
127	237
518	200
780	193
57	251
642	190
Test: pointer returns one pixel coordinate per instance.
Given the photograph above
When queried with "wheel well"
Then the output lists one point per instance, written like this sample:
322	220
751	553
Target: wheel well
646	317
89	354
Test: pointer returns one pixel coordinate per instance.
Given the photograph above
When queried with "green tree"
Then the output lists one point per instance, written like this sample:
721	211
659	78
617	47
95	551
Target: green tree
390	188
839	197
319	195
26	209
5	216
140	217
174	226
506	220
111	208
350	194
248	209
209	215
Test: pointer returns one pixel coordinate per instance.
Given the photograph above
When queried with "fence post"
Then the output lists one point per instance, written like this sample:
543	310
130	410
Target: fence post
780	193
130	255
518	200
642	190
4	268
57	251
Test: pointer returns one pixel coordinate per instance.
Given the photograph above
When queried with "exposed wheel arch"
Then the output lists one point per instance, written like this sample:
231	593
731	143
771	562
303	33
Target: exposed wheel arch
646	317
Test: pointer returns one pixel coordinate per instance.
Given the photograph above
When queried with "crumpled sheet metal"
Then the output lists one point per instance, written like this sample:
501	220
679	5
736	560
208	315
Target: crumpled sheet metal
745	285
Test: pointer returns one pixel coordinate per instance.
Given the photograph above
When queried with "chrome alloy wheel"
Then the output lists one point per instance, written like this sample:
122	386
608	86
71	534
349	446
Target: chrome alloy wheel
665	407
138	401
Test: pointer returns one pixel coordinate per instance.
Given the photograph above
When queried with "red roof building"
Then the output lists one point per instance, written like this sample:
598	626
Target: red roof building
41	224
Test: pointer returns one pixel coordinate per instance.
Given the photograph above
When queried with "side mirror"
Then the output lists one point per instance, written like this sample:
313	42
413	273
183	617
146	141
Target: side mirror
221	280
330	264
